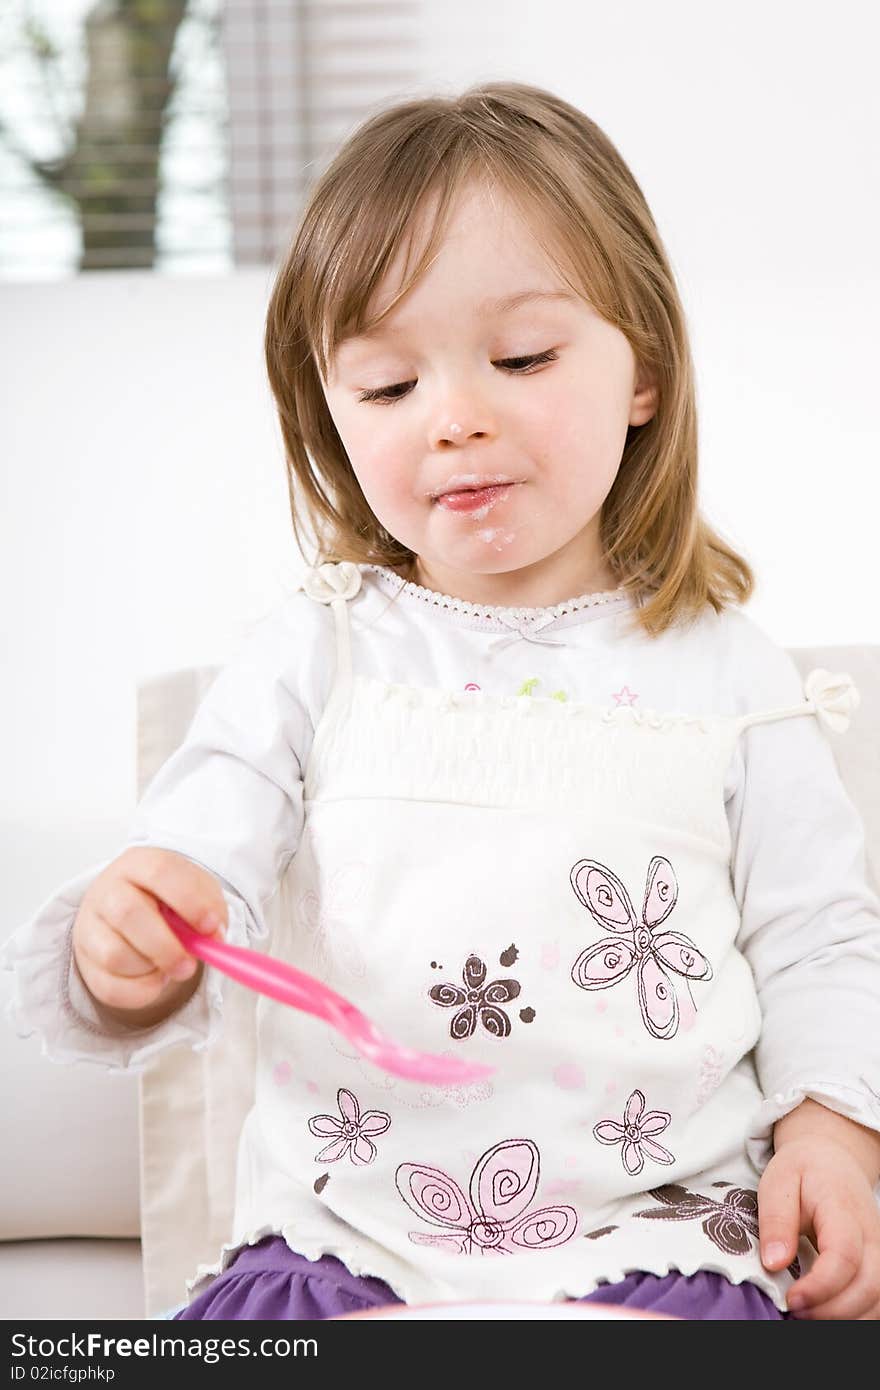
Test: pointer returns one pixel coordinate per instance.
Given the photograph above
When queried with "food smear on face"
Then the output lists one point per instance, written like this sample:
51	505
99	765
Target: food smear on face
496	536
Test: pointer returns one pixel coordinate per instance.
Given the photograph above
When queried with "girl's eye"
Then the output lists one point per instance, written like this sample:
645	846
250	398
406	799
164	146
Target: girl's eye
387	395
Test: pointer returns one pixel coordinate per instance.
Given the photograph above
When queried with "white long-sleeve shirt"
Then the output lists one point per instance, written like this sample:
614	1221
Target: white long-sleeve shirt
231	799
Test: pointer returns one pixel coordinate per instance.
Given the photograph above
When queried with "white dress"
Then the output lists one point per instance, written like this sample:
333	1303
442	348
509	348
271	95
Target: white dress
546	885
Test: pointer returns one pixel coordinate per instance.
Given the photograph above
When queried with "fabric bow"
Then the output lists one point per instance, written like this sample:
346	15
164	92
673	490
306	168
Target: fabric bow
834	697
530	633
330	581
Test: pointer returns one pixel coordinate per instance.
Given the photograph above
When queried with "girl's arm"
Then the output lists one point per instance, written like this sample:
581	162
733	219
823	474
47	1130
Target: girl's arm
230	799
810	917
810	929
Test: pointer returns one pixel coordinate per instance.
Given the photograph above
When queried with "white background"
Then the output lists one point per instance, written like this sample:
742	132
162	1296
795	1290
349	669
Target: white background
145	522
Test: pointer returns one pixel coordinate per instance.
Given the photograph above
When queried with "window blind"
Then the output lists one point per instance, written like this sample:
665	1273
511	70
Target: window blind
181	136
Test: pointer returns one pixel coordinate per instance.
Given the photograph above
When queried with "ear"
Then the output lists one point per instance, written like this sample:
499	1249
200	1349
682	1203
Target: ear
645	398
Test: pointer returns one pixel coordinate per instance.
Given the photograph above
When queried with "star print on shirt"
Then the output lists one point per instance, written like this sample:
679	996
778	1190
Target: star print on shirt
624	696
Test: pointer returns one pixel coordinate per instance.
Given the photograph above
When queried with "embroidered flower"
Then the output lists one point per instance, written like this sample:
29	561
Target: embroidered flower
476	1000
834	696
328	582
637	946
331	920
711	1073
634	1134
350	1132
494	1220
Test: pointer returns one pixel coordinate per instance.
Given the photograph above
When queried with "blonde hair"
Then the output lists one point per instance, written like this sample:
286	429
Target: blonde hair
575	191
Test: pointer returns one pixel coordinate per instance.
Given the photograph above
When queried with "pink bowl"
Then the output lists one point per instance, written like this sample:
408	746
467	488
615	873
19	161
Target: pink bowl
492	1311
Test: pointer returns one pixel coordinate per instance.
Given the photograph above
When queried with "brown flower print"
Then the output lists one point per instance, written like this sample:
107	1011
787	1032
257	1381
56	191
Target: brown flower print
350	1132
476	1001
731	1224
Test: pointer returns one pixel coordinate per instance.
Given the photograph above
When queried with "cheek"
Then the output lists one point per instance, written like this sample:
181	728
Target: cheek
382	476
579	435
364	444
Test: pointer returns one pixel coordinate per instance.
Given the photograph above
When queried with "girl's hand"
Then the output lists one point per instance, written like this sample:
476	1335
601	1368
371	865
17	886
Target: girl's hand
130	960
817	1186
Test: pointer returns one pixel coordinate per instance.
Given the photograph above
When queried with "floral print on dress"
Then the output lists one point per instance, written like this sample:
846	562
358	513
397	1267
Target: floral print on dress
731	1224
328	920
477	1001
350	1133
711	1073
494	1219
634	1134
610	960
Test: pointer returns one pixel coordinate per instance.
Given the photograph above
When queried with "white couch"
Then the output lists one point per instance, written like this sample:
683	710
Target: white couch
70	1229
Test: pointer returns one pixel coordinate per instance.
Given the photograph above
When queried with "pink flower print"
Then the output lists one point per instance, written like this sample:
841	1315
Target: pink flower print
327	919
476	1000
635	1134
636	946
350	1133
494	1219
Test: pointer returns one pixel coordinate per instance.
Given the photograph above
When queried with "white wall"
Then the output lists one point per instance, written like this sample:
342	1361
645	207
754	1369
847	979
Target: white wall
752	130
144	527
145	523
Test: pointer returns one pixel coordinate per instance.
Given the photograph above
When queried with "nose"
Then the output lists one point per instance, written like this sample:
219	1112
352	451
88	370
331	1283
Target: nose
460	420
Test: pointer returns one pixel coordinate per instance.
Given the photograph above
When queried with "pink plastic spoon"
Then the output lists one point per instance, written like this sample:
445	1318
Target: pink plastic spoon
291	986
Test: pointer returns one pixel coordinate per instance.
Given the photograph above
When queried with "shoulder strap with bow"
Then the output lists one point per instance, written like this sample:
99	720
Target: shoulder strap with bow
336	584
831	696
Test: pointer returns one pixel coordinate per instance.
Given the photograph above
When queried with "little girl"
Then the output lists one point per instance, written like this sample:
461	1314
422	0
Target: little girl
540	795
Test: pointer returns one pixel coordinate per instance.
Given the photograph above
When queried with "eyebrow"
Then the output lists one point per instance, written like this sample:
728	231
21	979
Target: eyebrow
485	308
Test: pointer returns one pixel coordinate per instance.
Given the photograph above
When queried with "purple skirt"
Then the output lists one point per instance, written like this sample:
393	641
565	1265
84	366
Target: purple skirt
269	1281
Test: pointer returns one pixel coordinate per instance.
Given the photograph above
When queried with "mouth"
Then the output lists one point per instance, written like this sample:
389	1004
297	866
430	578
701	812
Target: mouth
468	496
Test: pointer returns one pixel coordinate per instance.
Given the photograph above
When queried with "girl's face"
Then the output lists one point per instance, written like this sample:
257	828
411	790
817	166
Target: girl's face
456	389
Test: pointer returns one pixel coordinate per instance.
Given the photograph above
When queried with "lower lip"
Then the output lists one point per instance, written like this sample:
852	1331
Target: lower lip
471	501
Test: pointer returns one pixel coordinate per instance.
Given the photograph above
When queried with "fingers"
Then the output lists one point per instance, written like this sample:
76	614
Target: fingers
838	1271
126	952
193	892
779	1213
860	1299
821	1190
131	995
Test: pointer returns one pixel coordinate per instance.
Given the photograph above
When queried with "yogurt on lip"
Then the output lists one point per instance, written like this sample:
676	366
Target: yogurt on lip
479	500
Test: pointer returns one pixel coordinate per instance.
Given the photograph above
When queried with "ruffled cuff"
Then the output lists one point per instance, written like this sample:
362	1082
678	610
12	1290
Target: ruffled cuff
859	1103
49	997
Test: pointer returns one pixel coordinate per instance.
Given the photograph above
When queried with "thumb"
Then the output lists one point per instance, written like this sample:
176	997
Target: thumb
779	1213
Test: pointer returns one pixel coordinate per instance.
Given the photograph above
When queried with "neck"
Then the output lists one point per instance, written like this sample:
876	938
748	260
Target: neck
530	587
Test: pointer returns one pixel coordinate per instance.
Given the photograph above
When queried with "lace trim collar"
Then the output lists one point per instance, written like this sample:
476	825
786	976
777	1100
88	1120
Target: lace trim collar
393	582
